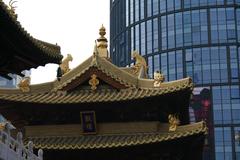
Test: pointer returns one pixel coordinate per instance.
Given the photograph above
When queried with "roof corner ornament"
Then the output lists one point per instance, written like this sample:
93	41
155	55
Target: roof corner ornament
24	84
140	62
102	43
12	8
64	66
159	78
173	121
94	82
95	53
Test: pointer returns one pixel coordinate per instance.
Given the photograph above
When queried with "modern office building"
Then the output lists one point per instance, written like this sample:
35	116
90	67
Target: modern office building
196	38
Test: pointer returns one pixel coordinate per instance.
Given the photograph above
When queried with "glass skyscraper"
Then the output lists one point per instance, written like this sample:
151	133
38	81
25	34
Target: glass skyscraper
196	38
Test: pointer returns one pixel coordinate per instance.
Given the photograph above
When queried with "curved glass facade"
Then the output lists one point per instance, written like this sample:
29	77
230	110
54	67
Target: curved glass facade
196	38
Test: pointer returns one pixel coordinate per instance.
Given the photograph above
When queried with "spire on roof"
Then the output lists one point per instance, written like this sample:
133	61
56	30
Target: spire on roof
102	43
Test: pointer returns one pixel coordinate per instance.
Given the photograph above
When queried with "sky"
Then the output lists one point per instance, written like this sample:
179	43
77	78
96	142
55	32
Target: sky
72	24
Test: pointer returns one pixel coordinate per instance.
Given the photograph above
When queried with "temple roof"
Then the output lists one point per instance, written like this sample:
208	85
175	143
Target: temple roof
116	140
121	85
20	51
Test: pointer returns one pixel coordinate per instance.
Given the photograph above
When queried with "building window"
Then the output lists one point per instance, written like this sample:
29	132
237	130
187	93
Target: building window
155	7
143	39
155	35
162	6
137	40
127	12
164	32
142	12
223	143
171	31
131	11
137	10
149	37
149	8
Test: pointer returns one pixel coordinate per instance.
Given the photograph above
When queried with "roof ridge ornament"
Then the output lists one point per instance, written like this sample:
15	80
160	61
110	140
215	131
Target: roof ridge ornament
102	43
159	78
24	84
64	66
140	63
12	8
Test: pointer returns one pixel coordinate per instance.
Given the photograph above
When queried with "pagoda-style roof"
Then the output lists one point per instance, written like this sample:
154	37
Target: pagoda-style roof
19	50
116	84
116	140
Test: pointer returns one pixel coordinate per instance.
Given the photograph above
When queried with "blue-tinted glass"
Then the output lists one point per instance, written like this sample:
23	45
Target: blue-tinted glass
231	34
149	37
187	28
137	39
212	2
137	10
214	25
203	2
188	55
142	9
132	39
195	3
143	39
238	22
187	3
164	32
196	28
170	5
179	29
131	11
150	68
156	63
177	4
204	26
155	35
206	65
222	28
234	64
171	31
127	12
197	65
149	8
172	66
220	2
223	64
179	61
215	65
155	7
230	1
162	6
164	65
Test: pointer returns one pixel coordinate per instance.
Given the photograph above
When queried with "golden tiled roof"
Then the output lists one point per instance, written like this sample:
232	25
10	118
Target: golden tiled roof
116	140
104	95
46	49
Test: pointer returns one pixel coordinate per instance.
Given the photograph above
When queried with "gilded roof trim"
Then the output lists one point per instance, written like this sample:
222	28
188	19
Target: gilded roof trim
116	140
104	95
101	64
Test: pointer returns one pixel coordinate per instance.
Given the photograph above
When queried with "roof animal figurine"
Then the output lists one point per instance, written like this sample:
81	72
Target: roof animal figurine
158	79
64	66
173	122
140	63
24	84
12	8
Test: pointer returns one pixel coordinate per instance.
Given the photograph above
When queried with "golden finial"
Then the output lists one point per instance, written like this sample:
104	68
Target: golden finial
102	31
102	43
